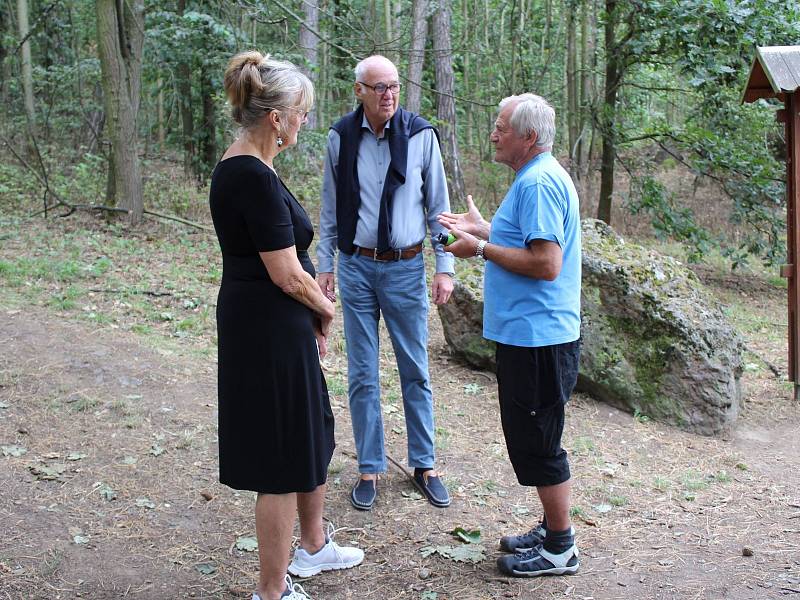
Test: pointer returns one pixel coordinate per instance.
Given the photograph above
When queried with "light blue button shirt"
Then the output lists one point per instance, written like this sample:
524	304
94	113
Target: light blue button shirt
415	205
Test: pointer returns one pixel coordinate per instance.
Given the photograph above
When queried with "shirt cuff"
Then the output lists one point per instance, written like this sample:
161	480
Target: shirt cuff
445	264
325	264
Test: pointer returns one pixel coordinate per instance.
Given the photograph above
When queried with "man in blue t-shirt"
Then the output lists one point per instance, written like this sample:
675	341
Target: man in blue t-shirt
532	289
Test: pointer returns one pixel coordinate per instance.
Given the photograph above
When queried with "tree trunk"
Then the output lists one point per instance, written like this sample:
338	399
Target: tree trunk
416	57
582	153
609	113
120	37
27	67
309	43
161	132
208	134
4	65
388	29
572	86
516	26
446	106
184	85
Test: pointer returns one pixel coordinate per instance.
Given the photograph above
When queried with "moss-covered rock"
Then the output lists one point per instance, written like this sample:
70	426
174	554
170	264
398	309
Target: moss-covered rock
654	342
462	318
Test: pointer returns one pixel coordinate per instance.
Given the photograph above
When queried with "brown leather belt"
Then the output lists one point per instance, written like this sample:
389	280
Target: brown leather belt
390	255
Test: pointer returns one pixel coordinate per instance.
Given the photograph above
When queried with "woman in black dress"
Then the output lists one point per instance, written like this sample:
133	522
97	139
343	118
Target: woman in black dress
275	420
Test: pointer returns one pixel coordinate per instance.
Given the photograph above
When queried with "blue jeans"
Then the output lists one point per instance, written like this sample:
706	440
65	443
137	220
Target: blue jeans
397	290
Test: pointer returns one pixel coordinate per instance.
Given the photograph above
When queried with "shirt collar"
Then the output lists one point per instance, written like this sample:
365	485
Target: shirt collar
365	125
533	161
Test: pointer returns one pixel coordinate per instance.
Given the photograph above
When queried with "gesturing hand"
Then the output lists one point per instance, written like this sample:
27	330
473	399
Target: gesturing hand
470	221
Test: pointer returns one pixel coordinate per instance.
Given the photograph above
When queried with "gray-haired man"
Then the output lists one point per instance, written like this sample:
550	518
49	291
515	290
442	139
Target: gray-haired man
532	286
383	187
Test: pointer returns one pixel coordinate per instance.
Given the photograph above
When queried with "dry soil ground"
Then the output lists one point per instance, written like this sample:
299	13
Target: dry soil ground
108	466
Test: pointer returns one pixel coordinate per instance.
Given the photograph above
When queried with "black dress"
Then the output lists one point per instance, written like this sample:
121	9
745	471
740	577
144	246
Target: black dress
275	419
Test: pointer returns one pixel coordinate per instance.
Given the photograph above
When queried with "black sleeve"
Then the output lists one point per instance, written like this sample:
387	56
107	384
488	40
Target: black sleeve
267	216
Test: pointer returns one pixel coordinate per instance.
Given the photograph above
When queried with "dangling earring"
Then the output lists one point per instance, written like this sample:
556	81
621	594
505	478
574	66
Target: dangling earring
279	141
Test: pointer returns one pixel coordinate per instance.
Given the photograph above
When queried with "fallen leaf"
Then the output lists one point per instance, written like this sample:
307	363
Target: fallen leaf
470	536
145	503
603	508
246	543
80	539
411	495
206	568
156	450
473	553
47	472
13	450
75	456
107	493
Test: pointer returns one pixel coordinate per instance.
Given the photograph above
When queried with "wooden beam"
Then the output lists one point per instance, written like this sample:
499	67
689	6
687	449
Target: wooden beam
792	104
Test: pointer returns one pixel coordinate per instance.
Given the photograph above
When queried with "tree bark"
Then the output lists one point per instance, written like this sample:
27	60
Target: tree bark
609	113
416	57
184	85
208	135
446	106
160	116
120	38
586	78
309	44
572	86
27	66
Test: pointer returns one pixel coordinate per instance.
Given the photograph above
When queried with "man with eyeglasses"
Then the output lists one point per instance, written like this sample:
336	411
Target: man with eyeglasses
384	185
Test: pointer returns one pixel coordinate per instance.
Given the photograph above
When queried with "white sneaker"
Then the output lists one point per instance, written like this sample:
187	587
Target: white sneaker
296	592
330	557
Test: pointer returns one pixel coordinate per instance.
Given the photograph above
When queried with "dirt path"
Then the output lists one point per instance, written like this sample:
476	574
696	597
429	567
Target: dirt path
127	431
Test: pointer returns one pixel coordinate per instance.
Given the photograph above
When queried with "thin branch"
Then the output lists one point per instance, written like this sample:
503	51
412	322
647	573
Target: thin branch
142	292
356	57
32	29
71	208
178	219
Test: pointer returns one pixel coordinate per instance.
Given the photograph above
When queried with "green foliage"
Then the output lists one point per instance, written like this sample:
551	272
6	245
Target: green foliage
668	218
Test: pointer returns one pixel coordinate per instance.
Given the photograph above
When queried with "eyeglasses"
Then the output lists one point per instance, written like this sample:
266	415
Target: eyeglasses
299	111
380	88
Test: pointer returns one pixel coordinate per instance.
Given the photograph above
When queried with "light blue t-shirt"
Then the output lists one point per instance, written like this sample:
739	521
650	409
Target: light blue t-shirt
542	203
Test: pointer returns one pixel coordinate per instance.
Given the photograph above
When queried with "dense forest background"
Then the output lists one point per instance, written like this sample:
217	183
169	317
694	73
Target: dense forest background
120	105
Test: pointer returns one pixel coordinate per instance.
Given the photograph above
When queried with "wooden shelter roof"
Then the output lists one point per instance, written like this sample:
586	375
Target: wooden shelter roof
775	72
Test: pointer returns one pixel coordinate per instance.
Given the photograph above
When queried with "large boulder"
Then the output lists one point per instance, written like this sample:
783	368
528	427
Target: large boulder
462	318
654	342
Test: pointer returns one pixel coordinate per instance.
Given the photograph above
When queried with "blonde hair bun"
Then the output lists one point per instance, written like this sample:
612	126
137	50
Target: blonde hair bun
255	83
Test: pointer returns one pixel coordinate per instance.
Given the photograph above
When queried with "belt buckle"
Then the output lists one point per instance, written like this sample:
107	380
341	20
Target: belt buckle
375	255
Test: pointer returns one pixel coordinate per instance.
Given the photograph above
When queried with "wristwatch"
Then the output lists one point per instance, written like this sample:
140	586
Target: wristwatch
479	249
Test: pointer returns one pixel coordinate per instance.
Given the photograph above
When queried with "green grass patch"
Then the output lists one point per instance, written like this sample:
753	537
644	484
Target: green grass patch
693	481
583	445
661	484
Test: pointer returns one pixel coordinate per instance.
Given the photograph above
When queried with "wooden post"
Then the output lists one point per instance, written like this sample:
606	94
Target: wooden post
792	120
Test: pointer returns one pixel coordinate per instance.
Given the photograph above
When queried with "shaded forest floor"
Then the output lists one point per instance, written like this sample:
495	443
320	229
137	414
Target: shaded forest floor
109	475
